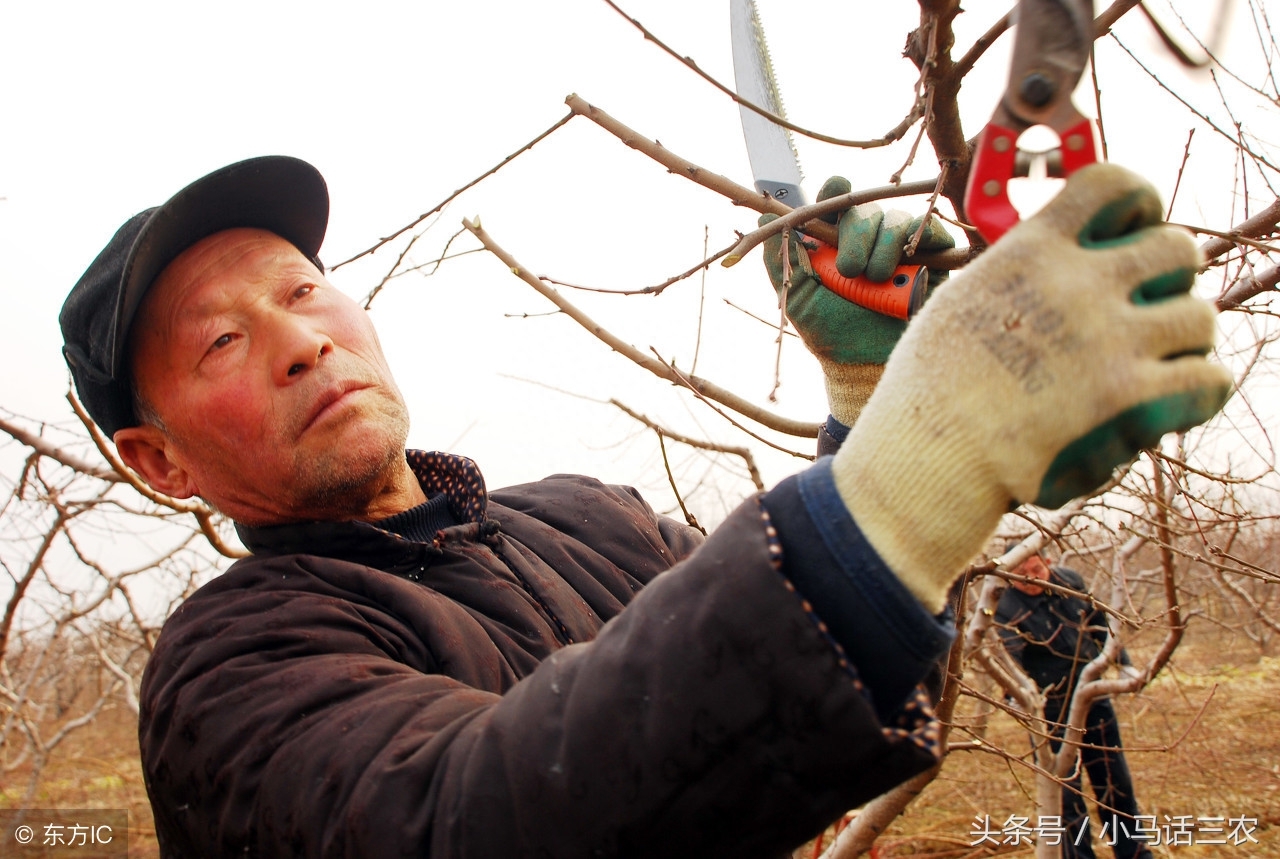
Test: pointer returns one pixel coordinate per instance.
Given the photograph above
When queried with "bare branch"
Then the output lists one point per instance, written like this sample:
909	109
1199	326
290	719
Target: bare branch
896	133
704	387
740	195
447	200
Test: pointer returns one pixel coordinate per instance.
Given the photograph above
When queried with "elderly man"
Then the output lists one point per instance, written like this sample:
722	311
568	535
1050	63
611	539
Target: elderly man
408	664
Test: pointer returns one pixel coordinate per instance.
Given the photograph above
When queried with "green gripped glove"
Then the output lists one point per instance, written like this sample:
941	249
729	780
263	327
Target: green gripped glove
850	342
871	240
1066	348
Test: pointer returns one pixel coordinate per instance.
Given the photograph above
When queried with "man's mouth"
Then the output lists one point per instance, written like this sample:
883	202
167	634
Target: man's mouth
331	400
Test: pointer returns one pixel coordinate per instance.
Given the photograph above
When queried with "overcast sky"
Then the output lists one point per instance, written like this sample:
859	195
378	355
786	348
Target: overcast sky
109	108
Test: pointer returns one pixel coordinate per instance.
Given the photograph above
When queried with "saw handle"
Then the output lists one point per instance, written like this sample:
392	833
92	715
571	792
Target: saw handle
901	296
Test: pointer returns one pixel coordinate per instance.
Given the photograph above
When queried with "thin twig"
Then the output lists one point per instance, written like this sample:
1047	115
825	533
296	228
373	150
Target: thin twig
1262	224
1203	117
744	453
702	299
658	368
671	479
657	289
202	512
740	195
687	382
891	136
929	64
805	217
1182	169
447	200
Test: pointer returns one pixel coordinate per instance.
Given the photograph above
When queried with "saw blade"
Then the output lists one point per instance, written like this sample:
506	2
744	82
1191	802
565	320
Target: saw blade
775	164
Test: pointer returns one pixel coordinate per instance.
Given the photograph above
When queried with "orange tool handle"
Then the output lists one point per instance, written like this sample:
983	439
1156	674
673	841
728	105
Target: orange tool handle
901	296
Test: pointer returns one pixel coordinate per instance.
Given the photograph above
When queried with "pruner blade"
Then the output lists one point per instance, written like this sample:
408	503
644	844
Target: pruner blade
1051	49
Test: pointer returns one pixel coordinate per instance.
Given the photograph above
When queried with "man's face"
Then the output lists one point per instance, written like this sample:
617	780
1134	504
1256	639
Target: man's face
1035	568
276	402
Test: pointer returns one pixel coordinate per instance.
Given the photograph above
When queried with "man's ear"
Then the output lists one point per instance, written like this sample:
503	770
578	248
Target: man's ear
146	450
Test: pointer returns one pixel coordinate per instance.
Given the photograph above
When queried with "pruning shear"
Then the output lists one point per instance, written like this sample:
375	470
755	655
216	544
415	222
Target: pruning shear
1050	51
775	166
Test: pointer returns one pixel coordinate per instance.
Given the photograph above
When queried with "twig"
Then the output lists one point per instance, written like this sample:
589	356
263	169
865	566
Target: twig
373	293
803	218
657	289
702	299
784	252
447	200
700	386
1231	236
1261	224
45	448
893	134
1097	99
930	210
671	479
743	452
688	383
1182	168
740	195
1203	117
761	320
925	81
202	512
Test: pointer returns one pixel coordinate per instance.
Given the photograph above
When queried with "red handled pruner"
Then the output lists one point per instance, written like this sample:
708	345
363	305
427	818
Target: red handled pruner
1051	48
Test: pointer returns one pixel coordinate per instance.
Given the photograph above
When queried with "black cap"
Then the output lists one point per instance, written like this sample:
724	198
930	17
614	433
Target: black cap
283	195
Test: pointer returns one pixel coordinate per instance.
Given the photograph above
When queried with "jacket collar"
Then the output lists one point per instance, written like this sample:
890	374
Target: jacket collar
456	477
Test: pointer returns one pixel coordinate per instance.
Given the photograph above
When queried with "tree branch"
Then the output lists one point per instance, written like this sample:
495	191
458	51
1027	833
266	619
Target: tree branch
894	134
657	368
740	195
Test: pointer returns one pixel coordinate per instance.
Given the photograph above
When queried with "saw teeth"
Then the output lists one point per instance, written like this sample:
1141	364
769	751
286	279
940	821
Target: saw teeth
775	104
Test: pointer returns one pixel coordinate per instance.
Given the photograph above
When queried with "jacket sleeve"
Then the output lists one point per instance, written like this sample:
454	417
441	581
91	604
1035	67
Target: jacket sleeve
281	717
868	613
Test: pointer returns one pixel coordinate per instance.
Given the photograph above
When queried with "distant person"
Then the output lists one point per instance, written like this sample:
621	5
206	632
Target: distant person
1055	635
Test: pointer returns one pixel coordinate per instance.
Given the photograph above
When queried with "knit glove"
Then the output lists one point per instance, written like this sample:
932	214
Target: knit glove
1065	349
850	342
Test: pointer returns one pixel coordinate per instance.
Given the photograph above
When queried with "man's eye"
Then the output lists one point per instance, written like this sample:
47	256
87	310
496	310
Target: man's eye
220	342
304	291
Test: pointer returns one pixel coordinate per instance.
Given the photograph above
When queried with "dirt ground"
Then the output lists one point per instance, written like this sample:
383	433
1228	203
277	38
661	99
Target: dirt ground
1203	740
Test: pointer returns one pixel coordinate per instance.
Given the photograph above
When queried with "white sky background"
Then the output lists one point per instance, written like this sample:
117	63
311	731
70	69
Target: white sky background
109	108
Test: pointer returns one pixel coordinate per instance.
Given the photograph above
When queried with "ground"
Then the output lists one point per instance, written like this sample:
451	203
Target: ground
1204	741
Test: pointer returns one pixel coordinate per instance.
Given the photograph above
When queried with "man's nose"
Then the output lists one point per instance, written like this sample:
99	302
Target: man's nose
302	345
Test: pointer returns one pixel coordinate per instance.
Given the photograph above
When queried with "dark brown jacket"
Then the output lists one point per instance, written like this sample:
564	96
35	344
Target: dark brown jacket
346	692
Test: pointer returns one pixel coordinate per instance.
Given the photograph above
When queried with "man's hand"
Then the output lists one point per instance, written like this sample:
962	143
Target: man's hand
1059	354
851	342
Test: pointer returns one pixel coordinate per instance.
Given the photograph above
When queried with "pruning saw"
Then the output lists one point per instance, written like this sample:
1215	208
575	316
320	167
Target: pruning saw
775	167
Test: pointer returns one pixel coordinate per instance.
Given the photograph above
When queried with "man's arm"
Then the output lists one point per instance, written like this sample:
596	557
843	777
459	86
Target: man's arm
315	709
